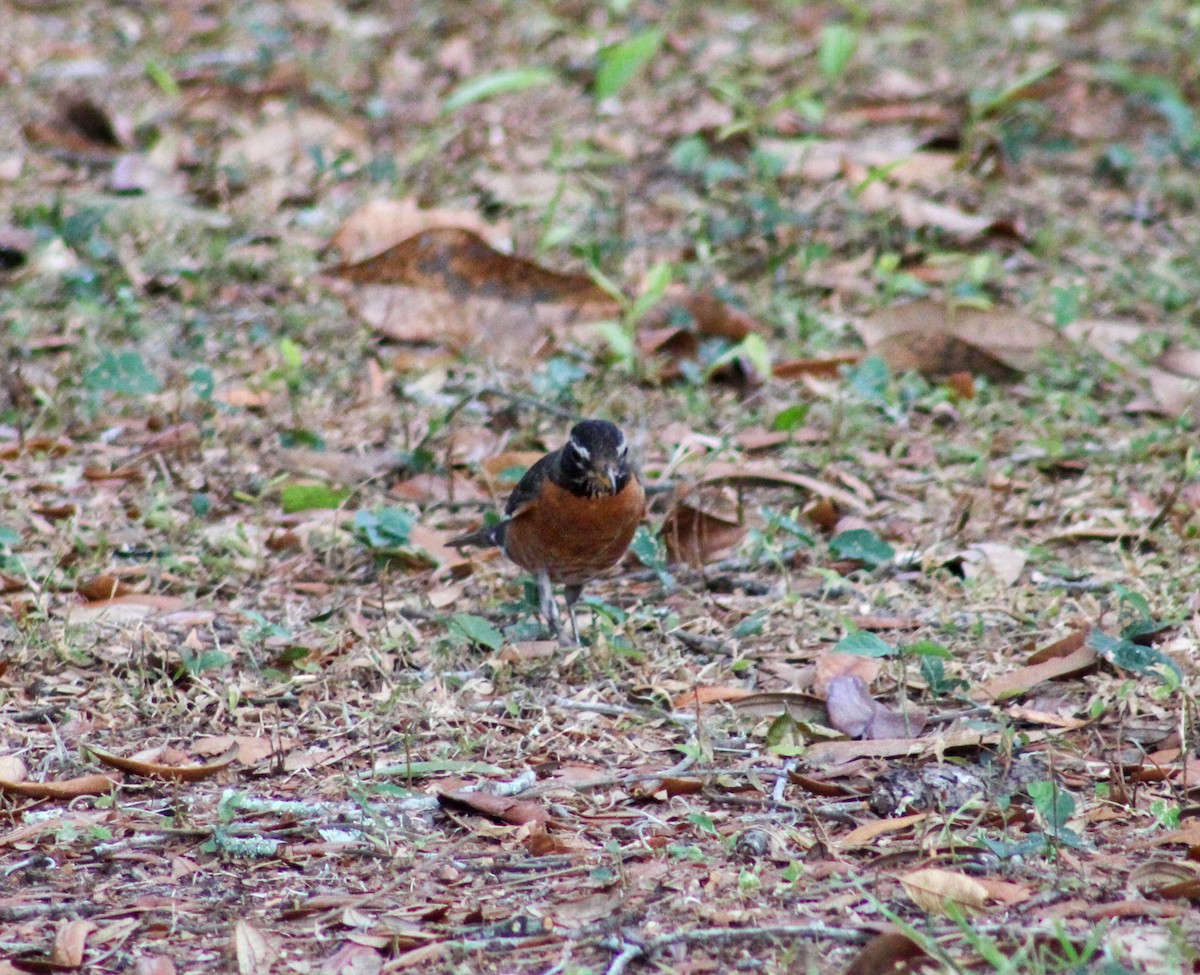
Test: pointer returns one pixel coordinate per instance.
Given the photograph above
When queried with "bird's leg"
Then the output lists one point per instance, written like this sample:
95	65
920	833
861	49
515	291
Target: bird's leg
548	606
572	596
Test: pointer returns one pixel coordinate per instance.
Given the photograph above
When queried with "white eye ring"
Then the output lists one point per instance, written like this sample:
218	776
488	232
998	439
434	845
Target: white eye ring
622	448
581	450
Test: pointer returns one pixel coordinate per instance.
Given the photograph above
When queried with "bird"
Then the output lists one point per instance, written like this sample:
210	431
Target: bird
570	517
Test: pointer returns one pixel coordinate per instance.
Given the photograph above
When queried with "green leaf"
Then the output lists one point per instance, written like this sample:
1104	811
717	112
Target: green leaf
384	528
208	660
862	545
838	42
1055	805
928	648
477	630
791	418
784	737
657	281
618	63
751	349
292	354
619	338
864	644
1131	656
497	83
704	822
162	78
306	497
121	372
869	380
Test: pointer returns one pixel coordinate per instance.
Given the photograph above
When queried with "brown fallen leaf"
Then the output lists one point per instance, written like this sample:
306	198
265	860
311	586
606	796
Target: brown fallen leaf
850	705
70	942
504	808
867	833
938	340
448	286
891	953
1004	891
103	587
379	224
82	785
831	664
932	888
709	316
251	748
179	773
709	695
840	752
354	959
256	952
81	128
127	608
854	712
153	965
1063	647
702	530
674	329
827	368
1016	682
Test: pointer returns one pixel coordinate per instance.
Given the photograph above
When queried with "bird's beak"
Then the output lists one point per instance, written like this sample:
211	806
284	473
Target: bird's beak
612	478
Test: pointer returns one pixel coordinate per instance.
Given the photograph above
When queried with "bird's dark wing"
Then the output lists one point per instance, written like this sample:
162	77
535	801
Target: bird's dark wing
530	486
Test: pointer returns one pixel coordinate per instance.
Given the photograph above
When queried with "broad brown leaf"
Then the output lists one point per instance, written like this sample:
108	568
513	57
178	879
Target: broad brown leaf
939	340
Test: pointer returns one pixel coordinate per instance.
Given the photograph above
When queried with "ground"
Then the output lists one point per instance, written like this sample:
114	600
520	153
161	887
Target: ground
897	306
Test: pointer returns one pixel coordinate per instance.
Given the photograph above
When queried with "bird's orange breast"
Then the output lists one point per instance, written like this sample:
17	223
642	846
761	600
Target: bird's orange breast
574	538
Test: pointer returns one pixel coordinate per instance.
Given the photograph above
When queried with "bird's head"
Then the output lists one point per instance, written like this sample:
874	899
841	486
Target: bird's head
595	460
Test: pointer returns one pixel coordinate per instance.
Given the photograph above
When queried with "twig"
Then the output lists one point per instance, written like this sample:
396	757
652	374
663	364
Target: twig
631	950
623	710
1168	506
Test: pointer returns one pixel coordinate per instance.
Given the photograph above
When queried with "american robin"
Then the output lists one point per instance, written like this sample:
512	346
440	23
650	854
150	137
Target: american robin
571	516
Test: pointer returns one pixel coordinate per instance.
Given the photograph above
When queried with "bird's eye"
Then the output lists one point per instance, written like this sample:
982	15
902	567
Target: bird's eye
622	450
584	454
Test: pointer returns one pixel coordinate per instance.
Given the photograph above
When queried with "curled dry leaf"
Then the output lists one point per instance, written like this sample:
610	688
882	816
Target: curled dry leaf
81	128
850	705
448	286
379	224
891	953
179	773
704	316
770	475
702	529
504	808
932	888
103	587
918	212
82	785
831	664
939	340
854	712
